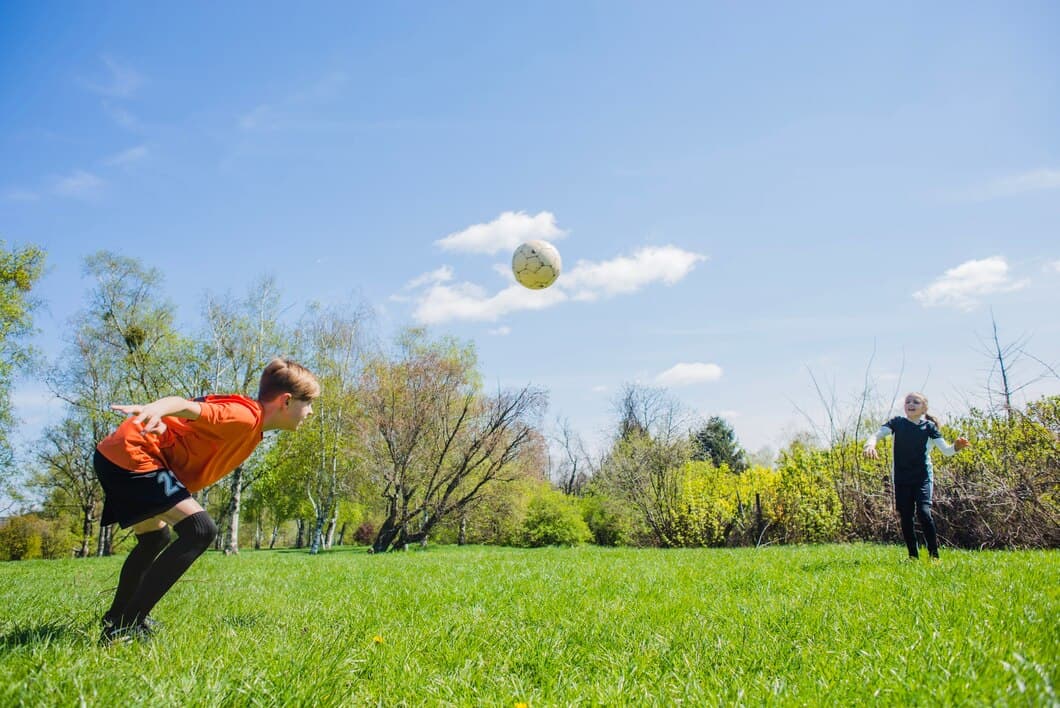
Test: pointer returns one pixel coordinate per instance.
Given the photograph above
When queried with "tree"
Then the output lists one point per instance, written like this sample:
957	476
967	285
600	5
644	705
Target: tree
123	348
715	442
20	269
573	470
644	465
335	340
242	336
65	451
438	442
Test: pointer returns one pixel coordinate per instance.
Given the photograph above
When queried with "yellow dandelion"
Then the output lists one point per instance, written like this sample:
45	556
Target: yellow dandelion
520	704
377	639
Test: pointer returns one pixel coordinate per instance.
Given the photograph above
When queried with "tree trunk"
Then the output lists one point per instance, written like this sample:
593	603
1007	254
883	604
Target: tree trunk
105	543
342	532
461	539
275	535
86	532
257	533
387	533
232	546
299	540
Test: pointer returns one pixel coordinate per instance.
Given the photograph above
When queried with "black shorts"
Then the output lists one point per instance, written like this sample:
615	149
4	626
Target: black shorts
908	495
132	497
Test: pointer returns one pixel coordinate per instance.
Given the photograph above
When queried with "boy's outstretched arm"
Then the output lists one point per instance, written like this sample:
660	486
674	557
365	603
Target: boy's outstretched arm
150	415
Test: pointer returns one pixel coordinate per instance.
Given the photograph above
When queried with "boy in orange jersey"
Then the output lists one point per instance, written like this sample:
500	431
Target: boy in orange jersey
161	454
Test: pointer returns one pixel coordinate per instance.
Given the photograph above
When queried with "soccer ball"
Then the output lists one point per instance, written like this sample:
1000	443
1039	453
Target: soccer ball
536	264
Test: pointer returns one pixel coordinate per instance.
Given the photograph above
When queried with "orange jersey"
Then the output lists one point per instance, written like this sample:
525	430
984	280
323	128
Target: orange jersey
199	452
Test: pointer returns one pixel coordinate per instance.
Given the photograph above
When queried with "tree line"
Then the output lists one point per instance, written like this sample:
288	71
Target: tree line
407	444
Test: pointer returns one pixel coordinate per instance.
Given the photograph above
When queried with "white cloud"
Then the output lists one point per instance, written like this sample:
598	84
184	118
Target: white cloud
587	281
601	389
963	287
627	274
442	303
439	275
79	184
1015	184
502	331
687	374
728	414
1054	266
122	81
20	195
504	233
127	157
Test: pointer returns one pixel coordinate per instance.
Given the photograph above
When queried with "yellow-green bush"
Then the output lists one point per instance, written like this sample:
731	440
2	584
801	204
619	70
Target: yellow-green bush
28	537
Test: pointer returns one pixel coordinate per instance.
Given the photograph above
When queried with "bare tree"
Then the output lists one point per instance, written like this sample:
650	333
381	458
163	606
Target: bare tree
574	467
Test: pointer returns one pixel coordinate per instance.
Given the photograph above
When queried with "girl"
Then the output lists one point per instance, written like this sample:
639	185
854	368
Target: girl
912	472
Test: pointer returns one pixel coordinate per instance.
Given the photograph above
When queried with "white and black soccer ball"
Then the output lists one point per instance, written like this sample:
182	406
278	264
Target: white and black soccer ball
536	264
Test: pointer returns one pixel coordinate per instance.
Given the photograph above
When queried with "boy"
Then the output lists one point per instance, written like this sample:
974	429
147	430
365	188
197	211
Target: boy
161	454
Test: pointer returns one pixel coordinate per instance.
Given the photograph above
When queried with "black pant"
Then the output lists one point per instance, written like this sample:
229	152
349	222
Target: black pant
915	499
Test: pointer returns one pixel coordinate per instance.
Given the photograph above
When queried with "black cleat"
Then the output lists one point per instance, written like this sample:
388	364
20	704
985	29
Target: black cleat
115	632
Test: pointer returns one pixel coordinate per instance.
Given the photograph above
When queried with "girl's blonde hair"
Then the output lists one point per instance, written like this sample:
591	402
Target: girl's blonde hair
286	376
932	418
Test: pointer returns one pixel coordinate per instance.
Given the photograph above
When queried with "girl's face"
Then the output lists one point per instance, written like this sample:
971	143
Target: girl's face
915	406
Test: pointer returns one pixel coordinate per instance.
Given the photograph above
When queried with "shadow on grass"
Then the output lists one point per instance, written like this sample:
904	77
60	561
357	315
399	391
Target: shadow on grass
837	564
44	633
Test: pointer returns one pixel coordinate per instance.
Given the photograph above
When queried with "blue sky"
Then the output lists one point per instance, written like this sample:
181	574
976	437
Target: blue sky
741	193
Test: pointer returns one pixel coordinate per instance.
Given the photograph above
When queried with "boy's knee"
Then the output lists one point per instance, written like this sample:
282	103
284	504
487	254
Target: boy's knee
154	541
198	529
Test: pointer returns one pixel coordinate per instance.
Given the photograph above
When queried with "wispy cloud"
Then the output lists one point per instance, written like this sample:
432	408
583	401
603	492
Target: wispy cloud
291	111
688	374
502	331
439	275
79	184
120	81
127	157
20	195
964	287
1012	185
504	233
587	281
1054	267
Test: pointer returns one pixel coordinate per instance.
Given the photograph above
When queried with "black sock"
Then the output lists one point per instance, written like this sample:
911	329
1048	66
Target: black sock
194	535
148	546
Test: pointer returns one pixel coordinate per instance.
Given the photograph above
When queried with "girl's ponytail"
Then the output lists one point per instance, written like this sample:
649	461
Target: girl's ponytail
933	419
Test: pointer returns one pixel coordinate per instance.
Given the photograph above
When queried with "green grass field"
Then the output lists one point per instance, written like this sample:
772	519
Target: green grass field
587	626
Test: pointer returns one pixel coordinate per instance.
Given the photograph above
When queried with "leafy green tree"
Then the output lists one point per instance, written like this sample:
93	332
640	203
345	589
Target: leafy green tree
242	335
436	441
65	452
123	347
715	442
20	269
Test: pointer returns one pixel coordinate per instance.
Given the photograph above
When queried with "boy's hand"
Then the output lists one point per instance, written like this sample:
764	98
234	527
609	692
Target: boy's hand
961	443
870	452
148	417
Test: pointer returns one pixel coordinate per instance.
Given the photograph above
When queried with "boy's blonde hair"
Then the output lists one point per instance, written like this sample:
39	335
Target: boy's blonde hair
286	376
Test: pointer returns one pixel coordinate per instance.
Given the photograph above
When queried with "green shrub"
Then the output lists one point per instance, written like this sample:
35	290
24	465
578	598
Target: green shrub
553	519
27	537
609	521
